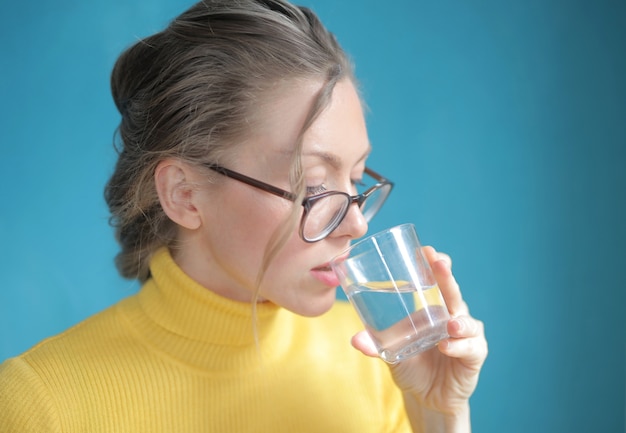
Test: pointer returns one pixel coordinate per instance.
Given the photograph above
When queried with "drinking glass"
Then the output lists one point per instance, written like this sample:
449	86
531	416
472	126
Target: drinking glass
390	284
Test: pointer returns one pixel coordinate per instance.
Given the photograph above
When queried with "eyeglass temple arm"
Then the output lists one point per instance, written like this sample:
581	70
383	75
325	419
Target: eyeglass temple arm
377	176
275	190
252	182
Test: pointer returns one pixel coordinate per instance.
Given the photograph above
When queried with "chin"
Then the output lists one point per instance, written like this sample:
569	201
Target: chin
315	306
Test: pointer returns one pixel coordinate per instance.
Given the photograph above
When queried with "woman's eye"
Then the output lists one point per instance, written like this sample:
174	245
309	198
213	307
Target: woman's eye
314	190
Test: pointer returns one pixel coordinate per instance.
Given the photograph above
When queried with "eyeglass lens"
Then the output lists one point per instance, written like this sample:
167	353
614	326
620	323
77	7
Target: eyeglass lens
327	213
324	216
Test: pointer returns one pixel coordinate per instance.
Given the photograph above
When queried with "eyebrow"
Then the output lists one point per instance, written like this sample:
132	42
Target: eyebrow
333	160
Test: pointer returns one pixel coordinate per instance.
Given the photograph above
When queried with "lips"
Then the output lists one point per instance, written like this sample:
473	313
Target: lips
325	275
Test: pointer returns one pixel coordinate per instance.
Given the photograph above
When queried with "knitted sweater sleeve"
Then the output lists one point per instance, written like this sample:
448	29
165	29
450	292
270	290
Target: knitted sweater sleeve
25	403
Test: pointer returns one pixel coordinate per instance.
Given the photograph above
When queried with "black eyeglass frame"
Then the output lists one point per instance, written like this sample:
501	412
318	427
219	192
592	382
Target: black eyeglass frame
308	202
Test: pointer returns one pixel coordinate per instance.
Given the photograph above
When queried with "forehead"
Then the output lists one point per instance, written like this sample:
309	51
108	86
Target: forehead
337	136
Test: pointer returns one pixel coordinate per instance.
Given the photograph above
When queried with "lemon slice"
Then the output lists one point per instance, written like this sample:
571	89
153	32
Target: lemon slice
389	284
422	298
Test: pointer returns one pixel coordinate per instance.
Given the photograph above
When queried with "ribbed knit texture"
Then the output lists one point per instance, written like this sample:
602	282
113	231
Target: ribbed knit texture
177	358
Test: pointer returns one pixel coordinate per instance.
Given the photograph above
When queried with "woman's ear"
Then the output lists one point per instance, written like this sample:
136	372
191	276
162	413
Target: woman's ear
177	194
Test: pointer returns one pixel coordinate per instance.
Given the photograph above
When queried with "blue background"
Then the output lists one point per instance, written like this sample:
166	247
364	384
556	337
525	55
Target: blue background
503	124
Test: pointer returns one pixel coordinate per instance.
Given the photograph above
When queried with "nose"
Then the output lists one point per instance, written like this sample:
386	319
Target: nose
353	224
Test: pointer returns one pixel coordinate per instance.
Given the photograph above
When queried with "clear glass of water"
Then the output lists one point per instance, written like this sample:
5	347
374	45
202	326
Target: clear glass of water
391	286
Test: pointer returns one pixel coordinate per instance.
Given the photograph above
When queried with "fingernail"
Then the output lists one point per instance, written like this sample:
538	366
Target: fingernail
444	345
459	324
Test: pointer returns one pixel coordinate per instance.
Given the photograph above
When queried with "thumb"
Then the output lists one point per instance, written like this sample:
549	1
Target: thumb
363	343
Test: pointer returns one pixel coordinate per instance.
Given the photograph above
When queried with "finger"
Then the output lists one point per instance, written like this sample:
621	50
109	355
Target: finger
447	284
432	255
464	327
472	351
363	343
467	341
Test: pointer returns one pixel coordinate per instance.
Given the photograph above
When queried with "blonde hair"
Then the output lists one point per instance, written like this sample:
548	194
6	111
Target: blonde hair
190	91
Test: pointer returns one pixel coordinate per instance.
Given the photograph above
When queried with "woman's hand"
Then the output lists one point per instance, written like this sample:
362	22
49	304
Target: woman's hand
442	379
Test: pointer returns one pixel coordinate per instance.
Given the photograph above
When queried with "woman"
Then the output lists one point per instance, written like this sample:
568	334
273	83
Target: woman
238	121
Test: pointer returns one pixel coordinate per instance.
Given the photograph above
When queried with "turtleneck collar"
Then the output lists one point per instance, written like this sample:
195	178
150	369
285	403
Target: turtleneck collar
179	316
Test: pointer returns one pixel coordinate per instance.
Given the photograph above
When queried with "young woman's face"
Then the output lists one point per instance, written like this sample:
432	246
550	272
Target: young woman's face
225	254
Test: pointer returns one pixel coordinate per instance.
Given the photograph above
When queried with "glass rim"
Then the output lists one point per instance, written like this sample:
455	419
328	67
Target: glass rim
345	254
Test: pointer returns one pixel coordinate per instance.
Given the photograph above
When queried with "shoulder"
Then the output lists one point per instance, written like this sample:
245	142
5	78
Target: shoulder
85	335
61	355
36	384
25	402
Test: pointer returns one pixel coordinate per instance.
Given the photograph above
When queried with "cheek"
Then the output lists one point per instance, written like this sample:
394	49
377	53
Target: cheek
290	265
245	226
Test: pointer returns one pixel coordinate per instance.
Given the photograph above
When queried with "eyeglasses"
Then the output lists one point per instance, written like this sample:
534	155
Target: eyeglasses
325	211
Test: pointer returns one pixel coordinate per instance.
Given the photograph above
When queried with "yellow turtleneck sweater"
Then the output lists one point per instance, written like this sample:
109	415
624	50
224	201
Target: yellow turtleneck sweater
177	358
